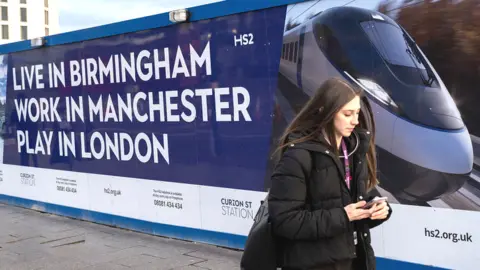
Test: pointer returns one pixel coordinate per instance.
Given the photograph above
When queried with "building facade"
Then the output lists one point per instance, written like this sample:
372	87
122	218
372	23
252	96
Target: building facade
27	19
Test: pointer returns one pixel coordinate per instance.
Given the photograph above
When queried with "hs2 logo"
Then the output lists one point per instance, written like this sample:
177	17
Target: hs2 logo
242	40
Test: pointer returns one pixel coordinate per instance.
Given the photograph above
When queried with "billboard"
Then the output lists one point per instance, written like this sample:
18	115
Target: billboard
176	125
426	137
151	125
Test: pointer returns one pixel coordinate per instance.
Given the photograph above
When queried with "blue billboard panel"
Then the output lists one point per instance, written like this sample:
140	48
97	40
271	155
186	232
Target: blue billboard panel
180	103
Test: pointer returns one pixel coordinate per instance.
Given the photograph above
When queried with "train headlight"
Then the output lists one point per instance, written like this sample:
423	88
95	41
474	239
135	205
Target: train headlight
375	90
378	92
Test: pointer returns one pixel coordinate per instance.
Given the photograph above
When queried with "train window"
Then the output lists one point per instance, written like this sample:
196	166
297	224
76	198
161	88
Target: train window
331	47
295	50
287	57
287	47
283	51
389	41
286	52
290	52
397	49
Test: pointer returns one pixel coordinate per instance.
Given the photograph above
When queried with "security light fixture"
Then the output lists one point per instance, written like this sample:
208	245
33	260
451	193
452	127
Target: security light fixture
38	42
180	15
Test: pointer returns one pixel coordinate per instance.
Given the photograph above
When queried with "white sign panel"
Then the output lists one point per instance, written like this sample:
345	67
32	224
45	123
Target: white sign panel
229	210
433	236
170	203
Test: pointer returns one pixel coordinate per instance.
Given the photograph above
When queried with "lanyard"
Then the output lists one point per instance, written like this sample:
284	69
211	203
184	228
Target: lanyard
347	165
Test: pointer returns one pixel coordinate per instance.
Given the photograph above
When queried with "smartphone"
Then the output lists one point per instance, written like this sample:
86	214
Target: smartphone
374	201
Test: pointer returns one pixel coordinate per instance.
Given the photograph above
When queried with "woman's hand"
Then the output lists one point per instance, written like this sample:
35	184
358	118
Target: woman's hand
380	211
355	211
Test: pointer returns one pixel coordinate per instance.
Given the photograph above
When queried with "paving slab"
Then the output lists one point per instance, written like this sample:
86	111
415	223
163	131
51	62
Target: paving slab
34	240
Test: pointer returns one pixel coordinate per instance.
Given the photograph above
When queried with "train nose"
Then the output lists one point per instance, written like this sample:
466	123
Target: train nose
433	107
435	162
442	151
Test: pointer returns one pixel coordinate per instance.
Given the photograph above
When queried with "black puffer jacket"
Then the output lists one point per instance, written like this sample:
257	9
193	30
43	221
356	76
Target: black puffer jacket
313	228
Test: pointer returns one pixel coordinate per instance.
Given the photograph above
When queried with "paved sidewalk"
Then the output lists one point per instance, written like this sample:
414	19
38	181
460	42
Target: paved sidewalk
34	240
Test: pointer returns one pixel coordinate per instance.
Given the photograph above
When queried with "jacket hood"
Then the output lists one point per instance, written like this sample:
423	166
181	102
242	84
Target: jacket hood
357	143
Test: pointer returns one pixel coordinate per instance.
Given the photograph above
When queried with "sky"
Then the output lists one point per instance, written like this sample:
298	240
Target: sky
75	15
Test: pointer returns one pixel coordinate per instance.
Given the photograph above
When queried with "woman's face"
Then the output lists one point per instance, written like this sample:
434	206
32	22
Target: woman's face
347	118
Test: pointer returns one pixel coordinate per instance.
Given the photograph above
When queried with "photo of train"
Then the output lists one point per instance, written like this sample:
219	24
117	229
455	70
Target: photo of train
3	96
424	148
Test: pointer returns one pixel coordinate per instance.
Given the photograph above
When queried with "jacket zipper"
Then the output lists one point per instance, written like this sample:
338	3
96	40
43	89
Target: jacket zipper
342	173
351	226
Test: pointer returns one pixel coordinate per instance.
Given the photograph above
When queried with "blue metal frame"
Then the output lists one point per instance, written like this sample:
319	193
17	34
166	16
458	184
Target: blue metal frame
198	13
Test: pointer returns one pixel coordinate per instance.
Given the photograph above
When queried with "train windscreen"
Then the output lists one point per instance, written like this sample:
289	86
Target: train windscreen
400	52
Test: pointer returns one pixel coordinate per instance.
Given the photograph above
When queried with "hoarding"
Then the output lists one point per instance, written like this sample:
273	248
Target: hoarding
425	152
163	125
176	125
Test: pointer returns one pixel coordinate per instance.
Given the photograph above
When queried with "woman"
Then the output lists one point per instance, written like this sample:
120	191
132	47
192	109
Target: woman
315	201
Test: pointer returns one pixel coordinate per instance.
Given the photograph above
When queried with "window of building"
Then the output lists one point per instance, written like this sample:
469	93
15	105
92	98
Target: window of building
4	1
46	17
5	34
23	14
23	32
45	3
47	31
23	1
4	13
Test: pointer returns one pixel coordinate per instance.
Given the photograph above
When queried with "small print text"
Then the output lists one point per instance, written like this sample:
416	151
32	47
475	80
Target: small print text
454	237
167	204
67	189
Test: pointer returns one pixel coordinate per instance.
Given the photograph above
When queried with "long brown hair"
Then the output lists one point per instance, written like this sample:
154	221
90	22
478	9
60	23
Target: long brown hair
318	114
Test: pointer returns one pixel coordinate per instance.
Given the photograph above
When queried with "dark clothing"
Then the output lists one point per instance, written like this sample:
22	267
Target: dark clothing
306	206
343	265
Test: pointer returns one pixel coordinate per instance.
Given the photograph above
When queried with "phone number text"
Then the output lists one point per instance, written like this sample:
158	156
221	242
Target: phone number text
161	203
67	189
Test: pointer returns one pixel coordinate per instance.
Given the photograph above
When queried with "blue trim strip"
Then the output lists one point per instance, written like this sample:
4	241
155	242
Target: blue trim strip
183	233
383	263
198	13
